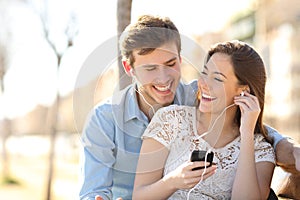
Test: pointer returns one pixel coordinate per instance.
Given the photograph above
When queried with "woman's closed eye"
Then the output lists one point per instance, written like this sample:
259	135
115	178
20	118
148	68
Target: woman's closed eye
204	73
215	77
218	79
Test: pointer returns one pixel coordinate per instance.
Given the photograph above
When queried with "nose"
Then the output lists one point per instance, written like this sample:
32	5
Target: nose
163	75
202	83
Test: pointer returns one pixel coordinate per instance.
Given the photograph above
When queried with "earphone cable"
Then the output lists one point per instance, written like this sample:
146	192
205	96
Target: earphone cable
153	110
207	152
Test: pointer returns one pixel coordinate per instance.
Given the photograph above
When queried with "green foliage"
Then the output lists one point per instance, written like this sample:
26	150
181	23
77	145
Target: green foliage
8	180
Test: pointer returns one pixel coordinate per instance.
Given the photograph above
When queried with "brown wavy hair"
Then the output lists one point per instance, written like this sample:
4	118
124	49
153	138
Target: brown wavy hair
250	71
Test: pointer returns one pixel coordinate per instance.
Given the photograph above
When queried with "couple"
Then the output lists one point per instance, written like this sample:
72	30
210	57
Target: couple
225	120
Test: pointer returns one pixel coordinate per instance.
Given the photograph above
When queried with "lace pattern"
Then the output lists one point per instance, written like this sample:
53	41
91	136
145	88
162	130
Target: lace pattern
175	128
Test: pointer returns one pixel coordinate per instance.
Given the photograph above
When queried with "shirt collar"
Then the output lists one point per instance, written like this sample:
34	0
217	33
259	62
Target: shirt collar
132	107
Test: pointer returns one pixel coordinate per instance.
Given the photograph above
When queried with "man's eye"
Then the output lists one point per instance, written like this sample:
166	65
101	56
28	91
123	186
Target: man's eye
203	72
171	64
150	68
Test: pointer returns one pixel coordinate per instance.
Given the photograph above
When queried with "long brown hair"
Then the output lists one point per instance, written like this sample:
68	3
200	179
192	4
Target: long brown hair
249	69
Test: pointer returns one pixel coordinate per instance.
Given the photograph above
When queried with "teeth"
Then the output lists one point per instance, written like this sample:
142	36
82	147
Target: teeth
162	89
207	96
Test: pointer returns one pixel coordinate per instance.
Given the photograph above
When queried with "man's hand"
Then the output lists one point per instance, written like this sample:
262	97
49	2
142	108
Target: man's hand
296	153
288	156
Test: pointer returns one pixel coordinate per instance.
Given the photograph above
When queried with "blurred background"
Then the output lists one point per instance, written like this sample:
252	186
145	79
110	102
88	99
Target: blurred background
46	45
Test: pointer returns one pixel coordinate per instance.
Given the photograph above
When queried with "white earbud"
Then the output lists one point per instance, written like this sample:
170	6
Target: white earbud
242	93
131	72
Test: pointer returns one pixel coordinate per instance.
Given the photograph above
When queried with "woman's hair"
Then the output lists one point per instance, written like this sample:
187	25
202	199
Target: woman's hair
250	71
147	34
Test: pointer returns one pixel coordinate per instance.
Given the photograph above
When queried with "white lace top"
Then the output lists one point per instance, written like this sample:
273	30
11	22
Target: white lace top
175	128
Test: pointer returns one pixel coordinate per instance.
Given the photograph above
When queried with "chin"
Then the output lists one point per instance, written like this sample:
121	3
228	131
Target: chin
165	103
204	109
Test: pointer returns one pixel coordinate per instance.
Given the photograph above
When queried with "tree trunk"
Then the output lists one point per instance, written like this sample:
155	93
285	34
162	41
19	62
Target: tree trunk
5	130
53	113
5	133
52	119
123	17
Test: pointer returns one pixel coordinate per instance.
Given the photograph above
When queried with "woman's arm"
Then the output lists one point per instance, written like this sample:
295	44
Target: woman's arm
252	180
149	181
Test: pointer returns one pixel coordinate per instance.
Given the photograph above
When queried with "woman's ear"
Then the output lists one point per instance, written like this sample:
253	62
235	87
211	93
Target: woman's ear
127	67
248	89
243	89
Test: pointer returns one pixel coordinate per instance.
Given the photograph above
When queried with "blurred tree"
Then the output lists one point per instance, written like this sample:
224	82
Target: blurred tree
123	19
5	127
5	123
59	48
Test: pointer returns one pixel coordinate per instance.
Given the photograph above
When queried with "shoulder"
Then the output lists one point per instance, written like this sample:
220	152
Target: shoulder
263	149
192	85
174	110
168	122
117	100
260	139
186	93
113	106
171	114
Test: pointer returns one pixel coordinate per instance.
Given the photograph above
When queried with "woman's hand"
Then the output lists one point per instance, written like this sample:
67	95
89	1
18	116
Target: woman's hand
250	110
184	177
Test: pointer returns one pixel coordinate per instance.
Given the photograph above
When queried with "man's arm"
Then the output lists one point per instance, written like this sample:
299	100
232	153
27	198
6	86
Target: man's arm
288	158
287	151
288	155
98	158
290	186
297	155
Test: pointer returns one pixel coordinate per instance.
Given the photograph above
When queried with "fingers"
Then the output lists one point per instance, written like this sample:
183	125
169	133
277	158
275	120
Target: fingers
209	173
196	176
184	177
205	172
198	164
247	102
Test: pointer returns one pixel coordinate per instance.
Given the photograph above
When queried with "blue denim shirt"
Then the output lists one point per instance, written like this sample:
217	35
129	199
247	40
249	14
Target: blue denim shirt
111	142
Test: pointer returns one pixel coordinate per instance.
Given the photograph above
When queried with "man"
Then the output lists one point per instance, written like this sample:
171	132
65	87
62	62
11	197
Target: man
150	49
111	138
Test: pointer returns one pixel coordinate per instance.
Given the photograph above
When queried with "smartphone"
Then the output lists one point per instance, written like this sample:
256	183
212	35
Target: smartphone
199	155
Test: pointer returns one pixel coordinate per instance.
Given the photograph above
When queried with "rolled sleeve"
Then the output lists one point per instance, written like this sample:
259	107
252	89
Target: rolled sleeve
275	136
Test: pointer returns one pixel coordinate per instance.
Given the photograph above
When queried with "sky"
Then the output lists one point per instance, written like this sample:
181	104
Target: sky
32	77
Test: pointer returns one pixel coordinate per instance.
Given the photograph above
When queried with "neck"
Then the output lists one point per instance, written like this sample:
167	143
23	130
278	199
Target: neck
218	126
146	106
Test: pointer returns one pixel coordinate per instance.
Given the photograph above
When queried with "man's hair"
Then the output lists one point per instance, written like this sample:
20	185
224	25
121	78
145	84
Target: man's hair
147	34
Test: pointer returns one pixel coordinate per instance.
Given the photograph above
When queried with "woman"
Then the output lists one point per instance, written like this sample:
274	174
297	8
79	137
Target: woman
227	121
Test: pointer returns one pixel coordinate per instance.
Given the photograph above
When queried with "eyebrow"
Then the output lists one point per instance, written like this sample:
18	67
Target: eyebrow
219	73
165	63
170	60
